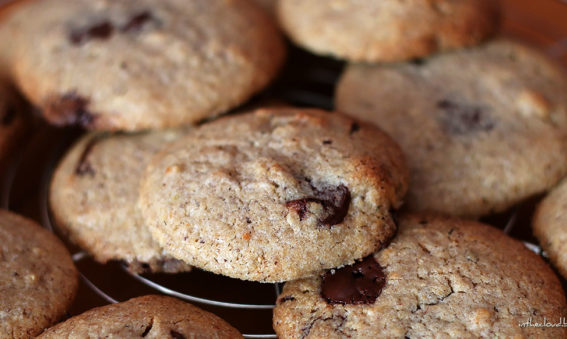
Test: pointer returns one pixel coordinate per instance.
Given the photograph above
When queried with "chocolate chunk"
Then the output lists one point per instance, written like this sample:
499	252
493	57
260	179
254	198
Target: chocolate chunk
84	167
176	335
335	202
286	298
137	22
354	127
463	118
418	62
327	142
148	328
101	31
356	284
69	109
9	116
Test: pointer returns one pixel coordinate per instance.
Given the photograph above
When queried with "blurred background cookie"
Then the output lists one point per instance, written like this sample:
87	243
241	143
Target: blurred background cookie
550	226
94	197
387	30
482	128
139	64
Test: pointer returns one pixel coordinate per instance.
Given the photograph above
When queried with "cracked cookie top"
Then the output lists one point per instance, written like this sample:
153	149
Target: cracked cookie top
387	30
149	316
139	64
38	280
94	195
482	128
275	194
444	277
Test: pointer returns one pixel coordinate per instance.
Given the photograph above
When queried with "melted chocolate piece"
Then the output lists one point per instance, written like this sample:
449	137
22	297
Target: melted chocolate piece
9	116
69	109
462	119
356	284
101	31
137	22
176	335
335	202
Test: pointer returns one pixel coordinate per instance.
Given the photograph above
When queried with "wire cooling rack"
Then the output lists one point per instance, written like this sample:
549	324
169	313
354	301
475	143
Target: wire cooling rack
307	80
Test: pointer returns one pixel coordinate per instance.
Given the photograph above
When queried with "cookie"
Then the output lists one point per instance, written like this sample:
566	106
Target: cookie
550	226
149	316
38	280
482	128
387	30
94	194
275	194
439	278
139	64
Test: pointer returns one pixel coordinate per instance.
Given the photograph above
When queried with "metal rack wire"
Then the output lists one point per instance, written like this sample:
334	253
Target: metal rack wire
307	81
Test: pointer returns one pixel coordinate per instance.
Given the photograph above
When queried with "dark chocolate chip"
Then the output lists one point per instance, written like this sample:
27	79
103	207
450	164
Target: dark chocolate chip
356	284
101	31
286	298
84	167
354	127
8	116
418	62
176	335
327	142
69	109
148	328
137	21
463	118
335	202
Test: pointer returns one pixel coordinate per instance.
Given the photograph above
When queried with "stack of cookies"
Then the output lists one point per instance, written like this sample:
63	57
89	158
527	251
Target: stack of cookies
302	196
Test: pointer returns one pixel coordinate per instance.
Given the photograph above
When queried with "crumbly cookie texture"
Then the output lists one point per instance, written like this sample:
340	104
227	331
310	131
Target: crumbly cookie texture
275	194
144	317
482	128
441	277
38	280
94	195
550	226
387	30
140	64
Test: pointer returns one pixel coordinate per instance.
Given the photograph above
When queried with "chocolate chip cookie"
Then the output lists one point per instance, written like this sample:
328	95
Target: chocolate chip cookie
150	316
94	195
275	194
38	280
139	64
550	226
440	277
482	128
387	30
